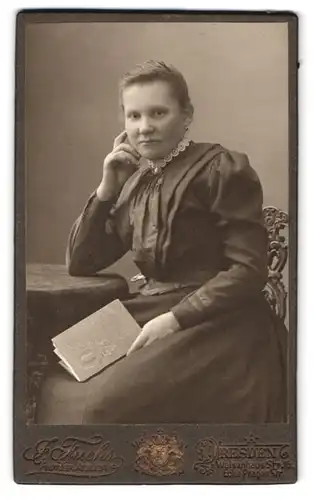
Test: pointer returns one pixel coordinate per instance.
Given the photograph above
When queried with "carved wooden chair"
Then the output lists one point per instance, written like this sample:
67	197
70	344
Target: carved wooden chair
276	221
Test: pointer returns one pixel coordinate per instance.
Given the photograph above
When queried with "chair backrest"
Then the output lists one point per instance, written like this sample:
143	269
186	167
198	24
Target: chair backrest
276	221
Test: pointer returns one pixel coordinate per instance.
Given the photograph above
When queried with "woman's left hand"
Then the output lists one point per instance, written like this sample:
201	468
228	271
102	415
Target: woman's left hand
156	328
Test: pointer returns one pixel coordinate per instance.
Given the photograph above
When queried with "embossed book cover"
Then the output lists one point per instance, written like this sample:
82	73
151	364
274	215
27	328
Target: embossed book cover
156	236
96	341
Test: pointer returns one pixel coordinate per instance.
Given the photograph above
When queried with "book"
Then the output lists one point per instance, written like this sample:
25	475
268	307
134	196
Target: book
96	341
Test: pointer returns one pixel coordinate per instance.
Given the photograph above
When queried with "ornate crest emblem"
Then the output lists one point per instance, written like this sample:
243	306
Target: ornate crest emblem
159	454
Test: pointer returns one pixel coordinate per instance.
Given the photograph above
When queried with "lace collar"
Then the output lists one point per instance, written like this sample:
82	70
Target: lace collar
157	166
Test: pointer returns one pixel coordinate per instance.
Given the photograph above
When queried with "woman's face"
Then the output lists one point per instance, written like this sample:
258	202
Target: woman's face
154	119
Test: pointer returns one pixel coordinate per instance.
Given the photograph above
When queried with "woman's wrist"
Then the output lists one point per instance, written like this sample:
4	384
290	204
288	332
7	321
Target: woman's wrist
105	192
175	326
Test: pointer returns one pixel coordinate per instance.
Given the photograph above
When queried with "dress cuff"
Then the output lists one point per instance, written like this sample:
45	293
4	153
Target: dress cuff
96	208
186	314
96	202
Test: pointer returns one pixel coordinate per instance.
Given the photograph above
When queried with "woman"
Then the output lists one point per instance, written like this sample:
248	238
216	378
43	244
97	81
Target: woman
210	349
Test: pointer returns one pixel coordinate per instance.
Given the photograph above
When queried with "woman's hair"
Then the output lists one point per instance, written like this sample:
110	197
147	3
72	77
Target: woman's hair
151	71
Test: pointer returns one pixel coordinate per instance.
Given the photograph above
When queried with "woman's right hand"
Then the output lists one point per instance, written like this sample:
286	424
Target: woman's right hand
118	166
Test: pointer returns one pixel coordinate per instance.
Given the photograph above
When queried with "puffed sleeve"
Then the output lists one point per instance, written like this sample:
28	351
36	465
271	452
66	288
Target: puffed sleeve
93	241
234	195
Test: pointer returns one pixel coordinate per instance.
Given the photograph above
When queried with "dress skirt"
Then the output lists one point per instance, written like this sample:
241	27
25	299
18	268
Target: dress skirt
228	369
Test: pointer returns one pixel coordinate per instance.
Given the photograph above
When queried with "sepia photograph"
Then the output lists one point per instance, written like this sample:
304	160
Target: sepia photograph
156	173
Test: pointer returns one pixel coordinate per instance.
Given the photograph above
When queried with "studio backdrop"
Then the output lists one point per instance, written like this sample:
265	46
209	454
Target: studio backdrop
237	74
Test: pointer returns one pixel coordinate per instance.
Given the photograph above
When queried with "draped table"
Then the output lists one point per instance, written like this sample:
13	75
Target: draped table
56	301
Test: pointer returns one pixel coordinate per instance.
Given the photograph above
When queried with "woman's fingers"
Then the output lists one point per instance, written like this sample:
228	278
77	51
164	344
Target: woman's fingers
128	149
118	166
120	139
150	340
121	142
140	341
125	157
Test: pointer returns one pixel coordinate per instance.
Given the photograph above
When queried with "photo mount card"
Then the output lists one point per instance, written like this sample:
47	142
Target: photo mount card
241	73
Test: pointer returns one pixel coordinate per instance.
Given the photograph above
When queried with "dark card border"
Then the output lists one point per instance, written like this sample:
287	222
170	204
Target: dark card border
122	441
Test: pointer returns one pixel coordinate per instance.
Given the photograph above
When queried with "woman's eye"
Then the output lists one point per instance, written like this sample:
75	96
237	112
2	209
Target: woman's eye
159	113
134	116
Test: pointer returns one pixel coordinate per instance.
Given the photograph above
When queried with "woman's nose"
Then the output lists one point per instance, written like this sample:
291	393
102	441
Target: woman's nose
146	126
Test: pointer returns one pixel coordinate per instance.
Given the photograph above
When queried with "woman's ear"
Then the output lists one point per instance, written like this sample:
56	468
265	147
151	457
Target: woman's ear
187	123
188	115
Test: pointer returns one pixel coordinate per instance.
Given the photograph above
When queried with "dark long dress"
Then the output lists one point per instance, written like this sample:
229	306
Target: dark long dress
197	234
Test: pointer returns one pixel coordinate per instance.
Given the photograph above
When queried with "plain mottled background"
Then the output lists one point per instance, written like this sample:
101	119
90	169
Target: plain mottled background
238	79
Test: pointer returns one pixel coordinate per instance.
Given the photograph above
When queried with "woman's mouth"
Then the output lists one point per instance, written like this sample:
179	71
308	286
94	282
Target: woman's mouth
149	142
